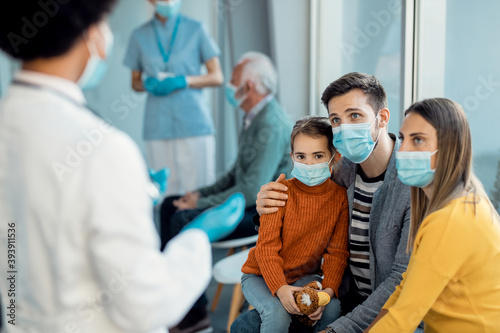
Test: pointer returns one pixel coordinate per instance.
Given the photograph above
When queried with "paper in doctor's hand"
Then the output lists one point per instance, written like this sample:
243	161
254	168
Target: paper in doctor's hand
220	221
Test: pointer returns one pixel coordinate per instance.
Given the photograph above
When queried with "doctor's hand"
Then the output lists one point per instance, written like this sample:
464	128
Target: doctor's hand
285	295
268	199
219	221
188	201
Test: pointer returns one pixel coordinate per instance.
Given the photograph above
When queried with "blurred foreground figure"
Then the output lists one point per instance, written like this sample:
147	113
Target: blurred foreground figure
79	246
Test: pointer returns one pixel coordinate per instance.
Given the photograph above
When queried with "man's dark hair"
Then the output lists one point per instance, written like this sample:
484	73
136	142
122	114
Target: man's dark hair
364	82
31	29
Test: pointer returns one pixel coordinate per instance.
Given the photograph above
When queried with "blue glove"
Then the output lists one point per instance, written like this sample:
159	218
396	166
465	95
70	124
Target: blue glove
159	179
165	87
219	221
151	84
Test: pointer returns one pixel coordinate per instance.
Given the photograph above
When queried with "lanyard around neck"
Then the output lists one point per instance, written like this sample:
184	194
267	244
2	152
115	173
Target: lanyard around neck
166	54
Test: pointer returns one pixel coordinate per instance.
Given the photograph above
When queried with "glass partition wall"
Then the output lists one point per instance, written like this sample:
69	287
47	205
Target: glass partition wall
419	49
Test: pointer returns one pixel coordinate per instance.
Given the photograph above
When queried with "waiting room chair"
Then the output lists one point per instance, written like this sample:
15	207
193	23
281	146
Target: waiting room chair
231	245
228	271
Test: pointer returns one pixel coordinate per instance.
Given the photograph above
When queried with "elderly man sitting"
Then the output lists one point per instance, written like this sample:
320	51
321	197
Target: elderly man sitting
263	154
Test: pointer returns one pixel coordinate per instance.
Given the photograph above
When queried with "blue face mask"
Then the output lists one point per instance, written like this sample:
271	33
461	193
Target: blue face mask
311	175
168	8
354	141
231	96
96	66
414	167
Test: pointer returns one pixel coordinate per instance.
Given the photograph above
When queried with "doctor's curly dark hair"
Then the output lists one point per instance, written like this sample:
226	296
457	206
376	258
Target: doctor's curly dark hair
31	29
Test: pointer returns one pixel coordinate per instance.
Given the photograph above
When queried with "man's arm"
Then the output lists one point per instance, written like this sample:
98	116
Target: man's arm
382	313
271	196
363	315
223	183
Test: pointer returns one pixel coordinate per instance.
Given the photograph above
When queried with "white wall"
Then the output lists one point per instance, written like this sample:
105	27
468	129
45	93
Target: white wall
290	43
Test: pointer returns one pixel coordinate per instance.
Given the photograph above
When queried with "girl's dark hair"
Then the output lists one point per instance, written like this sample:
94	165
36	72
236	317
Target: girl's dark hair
31	29
314	127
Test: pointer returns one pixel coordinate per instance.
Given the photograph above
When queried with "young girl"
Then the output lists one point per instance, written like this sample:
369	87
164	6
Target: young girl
303	240
453	278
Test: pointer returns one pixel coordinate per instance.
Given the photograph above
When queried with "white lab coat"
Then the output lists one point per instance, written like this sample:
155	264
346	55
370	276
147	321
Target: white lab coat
86	250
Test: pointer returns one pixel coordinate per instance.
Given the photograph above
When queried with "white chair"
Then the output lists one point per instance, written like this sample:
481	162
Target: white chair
228	271
231	245
235	243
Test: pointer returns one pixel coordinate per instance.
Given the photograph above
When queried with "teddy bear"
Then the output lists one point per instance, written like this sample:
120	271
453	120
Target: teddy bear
309	299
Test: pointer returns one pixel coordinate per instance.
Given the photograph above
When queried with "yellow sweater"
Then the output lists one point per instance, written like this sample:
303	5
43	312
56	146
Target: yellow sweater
453	278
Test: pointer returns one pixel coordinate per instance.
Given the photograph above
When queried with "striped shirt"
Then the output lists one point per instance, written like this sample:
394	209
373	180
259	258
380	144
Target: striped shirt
359	242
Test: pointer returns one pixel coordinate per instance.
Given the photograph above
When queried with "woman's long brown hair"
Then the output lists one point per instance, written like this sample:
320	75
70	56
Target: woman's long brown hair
453	175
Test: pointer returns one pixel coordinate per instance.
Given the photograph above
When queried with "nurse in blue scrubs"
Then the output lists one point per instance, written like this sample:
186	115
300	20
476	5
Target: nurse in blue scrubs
166	56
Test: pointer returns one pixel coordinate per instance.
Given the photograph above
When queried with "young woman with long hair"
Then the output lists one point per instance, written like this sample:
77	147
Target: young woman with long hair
453	279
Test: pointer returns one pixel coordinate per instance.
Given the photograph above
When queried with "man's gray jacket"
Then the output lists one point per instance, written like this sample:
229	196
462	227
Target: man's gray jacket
389	227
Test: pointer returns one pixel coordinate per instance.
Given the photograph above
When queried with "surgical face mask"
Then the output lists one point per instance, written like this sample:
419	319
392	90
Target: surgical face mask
231	96
96	66
414	167
311	175
354	141
168	8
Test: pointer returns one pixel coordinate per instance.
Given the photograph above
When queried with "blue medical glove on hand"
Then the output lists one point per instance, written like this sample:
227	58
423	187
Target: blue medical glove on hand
170	84
151	84
165	87
219	221
159	179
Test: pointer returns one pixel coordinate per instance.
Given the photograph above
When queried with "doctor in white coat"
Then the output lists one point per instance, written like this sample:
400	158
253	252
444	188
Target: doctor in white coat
78	247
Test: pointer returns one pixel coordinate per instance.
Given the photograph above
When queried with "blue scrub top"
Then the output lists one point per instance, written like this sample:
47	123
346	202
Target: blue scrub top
183	113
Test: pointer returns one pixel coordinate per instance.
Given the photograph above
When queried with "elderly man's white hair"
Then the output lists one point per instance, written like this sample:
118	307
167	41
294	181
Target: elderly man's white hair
260	69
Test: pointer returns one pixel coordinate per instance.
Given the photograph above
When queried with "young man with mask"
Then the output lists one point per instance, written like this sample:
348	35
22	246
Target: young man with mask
74	205
379	204
166	56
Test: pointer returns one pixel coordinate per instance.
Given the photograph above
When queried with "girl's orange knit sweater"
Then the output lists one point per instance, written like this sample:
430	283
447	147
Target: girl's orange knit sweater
313	225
